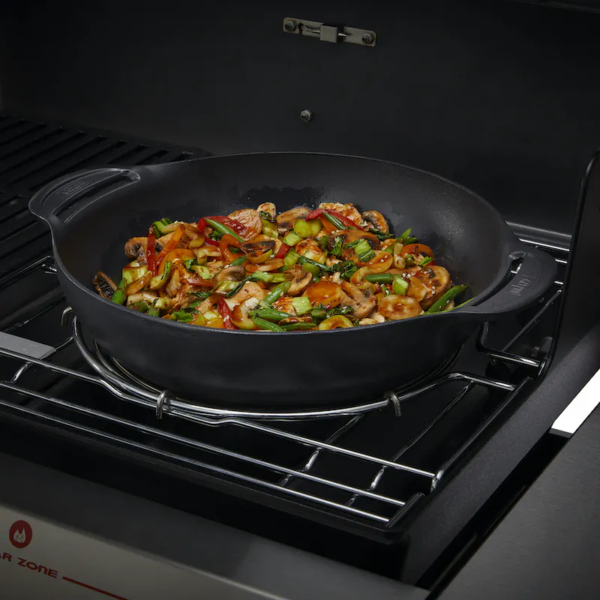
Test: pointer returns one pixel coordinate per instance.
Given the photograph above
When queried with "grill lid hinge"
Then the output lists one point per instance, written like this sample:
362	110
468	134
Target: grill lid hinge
330	33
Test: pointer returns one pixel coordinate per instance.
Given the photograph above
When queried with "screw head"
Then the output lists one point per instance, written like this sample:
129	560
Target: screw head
289	25
367	38
306	115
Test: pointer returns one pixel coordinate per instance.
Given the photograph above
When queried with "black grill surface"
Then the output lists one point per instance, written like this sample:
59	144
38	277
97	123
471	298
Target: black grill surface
33	152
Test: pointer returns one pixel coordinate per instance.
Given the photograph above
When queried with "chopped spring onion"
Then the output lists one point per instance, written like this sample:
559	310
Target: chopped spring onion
306	229
322	241
132	273
159	226
403	239
400	286
268	277
153	311
299	326
302	305
140	306
291	258
264	324
239	261
334	221
227	286
202	271
337	247
266	216
277	292
318	314
159	281
304	260
315	271
188	264
440	304
380	278
381	236
426	261
223	229
271	314
291	239
120	295
269	228
183	317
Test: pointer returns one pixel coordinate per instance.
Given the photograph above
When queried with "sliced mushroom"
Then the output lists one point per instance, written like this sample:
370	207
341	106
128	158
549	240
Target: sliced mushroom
135	248
326	293
399	307
104	285
377	220
269	208
258	248
231	273
362	302
437	282
299	282
287	219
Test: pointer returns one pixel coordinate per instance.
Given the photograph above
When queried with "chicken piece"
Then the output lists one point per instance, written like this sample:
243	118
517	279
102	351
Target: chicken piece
250	219
214	266
249	290
348	210
178	273
310	249
374	319
285	304
269	208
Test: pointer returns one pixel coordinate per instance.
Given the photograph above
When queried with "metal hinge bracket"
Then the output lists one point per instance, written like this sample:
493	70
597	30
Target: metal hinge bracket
330	33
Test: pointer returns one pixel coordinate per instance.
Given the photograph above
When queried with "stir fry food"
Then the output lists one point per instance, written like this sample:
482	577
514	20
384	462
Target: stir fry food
327	268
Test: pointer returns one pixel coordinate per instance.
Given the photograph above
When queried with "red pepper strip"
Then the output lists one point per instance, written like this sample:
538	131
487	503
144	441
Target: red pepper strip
170	245
319	211
225	313
225	242
231	223
151	252
202	225
283	250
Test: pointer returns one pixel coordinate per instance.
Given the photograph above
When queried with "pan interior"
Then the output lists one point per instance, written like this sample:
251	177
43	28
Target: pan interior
468	236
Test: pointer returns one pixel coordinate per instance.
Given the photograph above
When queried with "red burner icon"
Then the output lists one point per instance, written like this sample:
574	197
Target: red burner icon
20	534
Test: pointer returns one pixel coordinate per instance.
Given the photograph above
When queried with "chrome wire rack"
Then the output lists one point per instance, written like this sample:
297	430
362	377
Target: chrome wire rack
204	438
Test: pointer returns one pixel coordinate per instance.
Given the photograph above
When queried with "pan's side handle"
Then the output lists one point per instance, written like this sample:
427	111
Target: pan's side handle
58	200
536	275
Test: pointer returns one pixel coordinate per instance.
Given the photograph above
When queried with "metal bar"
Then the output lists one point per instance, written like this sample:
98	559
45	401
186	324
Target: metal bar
172	437
377	479
195	463
22	272
310	463
21	370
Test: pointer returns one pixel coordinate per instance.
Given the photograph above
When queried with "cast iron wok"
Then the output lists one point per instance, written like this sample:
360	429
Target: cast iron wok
93	213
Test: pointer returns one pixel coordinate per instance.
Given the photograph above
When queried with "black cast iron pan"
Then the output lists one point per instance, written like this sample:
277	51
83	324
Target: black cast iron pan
93	213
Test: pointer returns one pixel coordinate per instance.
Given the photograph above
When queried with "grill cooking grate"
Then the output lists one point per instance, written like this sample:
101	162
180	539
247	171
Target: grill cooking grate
297	459
35	152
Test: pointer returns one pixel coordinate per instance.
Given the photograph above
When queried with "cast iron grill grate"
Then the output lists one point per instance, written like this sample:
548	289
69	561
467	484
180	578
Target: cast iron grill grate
33	153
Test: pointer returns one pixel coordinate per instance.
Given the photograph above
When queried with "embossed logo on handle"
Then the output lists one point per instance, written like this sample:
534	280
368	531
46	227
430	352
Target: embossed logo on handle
518	287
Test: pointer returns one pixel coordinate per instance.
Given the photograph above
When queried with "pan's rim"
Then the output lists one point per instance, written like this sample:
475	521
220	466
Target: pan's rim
511	241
